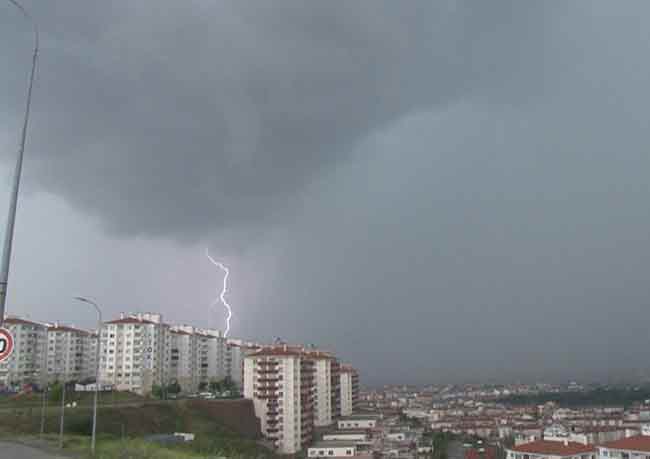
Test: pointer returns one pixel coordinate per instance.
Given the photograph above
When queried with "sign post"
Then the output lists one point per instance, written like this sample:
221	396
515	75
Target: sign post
6	344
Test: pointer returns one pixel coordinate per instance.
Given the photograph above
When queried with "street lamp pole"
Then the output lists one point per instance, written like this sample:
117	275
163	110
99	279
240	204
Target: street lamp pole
99	331
11	218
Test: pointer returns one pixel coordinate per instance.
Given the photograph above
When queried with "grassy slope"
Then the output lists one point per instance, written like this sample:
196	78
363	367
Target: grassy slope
212	437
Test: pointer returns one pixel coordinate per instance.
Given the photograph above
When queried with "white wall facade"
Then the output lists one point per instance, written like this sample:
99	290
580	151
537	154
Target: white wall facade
325	450
346	393
357	423
323	407
71	354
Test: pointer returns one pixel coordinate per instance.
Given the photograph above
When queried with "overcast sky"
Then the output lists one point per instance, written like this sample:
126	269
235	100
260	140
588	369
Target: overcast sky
437	191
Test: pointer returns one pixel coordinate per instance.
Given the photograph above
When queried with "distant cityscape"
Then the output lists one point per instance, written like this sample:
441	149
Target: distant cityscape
307	401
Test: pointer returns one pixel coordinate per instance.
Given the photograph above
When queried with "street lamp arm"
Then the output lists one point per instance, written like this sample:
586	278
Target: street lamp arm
31	20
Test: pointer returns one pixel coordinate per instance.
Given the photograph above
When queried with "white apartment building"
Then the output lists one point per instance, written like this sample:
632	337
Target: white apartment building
71	353
185	358
335	387
28	361
235	353
133	352
323	385
212	355
279	380
332	448
345	385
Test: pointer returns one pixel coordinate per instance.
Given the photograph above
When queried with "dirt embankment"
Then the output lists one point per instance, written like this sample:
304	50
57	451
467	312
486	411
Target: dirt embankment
238	415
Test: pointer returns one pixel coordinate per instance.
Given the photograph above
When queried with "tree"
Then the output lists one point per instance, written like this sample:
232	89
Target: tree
157	391
174	388
56	392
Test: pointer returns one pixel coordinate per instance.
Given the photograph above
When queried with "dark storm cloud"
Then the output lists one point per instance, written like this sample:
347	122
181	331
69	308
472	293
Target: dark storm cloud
440	190
176	118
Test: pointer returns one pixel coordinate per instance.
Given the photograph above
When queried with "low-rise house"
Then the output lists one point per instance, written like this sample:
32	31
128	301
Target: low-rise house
332	448
359	421
351	435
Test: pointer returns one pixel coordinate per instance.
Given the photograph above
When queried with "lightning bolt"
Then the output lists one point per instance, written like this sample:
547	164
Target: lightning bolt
224	290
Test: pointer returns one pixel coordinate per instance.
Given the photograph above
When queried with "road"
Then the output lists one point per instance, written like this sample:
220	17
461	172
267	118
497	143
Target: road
17	451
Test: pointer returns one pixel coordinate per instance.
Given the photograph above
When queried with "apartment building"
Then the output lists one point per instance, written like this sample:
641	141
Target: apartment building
346	373
28	362
185	358
133	354
212	355
280	381
322	362
71	353
235	353
335	388
354	377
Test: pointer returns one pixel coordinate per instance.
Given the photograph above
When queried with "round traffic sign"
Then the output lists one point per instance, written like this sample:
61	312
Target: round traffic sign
6	344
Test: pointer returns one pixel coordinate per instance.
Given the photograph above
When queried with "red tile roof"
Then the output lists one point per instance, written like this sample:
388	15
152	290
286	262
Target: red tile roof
180	332
554	448
19	321
347	369
277	351
131	320
319	355
636	443
488	453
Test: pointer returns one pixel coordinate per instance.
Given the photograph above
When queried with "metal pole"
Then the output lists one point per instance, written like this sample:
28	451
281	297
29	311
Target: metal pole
61	422
99	331
11	218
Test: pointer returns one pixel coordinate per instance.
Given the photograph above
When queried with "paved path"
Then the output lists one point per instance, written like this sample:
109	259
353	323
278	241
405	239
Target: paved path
18	451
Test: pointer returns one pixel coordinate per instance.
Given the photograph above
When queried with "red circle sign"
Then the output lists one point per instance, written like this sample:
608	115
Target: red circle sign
6	344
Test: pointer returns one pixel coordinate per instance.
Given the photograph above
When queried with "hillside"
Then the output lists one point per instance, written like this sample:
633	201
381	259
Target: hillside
227	427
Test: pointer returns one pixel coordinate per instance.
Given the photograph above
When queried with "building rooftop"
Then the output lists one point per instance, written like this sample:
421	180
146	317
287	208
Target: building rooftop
19	321
284	350
636	443
318	355
131	320
554	448
65	328
347	432
360	417
334	444
180	332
